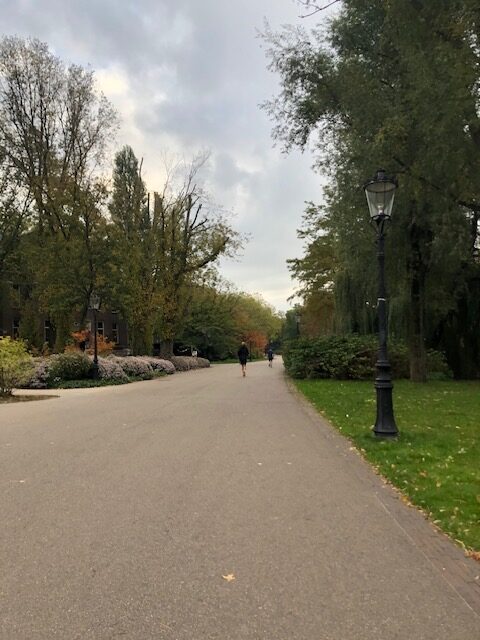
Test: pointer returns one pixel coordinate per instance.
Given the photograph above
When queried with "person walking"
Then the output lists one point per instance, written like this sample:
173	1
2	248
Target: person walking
270	356
243	354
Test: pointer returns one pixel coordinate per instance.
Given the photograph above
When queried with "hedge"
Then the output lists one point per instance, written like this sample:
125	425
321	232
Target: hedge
351	357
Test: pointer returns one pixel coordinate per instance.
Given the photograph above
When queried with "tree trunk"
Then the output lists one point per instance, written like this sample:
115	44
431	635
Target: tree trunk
417	269
166	348
63	328
141	341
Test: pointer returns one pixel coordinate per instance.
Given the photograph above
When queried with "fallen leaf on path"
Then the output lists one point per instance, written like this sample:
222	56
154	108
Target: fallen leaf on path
473	554
229	577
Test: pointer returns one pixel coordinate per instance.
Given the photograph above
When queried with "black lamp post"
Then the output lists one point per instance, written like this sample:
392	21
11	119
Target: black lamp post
95	306
380	192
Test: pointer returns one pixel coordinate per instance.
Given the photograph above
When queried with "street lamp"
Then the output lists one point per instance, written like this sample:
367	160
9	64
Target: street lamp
380	192
94	304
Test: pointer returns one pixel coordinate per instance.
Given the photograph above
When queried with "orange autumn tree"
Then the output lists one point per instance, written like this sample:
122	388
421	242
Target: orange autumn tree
256	321
104	346
256	342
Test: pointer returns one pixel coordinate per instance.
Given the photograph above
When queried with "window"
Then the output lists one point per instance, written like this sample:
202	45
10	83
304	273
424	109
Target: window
115	332
100	328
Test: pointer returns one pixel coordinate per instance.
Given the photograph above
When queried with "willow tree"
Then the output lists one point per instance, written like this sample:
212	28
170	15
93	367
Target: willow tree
393	85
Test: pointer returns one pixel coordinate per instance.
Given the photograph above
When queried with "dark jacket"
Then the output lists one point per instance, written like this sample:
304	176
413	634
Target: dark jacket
243	353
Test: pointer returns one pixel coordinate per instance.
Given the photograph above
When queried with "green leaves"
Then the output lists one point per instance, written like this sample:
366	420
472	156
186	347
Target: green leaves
394	85
16	365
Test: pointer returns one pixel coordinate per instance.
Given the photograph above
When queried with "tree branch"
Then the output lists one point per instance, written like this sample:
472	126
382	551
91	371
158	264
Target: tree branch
314	6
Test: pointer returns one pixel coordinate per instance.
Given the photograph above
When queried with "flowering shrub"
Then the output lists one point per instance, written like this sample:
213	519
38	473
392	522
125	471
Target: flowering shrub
16	364
185	363
108	369
39	376
134	367
158	364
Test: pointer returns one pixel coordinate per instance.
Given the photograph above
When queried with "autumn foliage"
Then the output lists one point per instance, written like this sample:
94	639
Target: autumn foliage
104	346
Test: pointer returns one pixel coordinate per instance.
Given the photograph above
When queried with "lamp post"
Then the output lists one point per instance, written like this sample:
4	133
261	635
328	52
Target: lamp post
297	324
95	306
380	192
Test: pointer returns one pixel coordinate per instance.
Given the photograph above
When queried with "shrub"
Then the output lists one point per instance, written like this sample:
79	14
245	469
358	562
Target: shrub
39	377
69	366
340	357
16	365
134	367
158	364
350	357
108	369
185	363
437	365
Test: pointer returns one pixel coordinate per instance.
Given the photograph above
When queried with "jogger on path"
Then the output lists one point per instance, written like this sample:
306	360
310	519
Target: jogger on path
243	354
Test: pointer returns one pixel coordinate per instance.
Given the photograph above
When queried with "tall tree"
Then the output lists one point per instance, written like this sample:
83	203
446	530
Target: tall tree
134	252
363	87
191	235
54	129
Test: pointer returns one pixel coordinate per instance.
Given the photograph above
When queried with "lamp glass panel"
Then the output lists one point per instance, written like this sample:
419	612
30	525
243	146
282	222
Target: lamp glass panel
380	196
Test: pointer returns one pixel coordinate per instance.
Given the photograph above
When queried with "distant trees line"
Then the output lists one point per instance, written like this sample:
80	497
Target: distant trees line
392	85
66	230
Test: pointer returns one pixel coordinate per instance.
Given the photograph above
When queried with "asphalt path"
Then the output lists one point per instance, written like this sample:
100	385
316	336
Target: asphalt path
203	506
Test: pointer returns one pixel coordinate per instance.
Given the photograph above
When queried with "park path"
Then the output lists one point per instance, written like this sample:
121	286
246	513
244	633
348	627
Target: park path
206	506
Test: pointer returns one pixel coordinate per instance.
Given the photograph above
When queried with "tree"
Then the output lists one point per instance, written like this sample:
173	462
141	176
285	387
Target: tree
134	252
363	89
257	322
161	252
209	323
191	235
54	129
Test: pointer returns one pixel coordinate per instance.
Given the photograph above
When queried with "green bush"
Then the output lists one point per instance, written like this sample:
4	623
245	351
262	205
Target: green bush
437	366
16	365
69	366
350	357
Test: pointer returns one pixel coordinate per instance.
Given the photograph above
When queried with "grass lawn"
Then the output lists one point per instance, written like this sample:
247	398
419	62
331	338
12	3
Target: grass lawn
436	460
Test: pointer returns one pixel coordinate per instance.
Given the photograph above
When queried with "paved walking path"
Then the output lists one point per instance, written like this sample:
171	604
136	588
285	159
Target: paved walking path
206	506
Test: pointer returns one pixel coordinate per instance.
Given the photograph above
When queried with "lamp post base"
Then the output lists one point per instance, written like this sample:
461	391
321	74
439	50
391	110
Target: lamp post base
385	426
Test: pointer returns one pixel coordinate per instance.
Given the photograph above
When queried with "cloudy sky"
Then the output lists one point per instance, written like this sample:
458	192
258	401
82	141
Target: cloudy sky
188	76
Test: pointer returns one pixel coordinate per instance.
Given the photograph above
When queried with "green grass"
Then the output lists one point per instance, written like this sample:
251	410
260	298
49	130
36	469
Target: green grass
435	461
